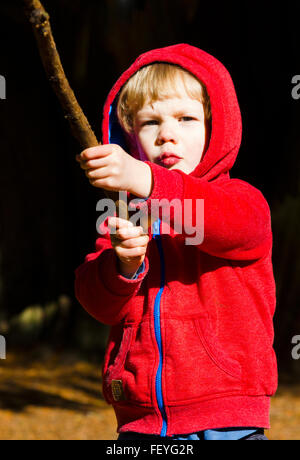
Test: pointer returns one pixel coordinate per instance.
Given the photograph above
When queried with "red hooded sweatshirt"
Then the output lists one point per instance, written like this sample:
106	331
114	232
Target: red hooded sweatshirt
191	339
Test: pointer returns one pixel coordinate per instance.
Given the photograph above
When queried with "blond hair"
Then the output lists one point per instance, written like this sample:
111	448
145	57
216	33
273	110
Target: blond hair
158	81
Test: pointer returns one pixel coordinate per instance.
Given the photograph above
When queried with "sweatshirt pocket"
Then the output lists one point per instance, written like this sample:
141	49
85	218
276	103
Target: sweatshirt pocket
113	389
128	377
196	364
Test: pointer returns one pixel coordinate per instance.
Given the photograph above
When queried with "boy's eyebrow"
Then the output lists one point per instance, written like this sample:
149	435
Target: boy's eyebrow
187	111
176	113
145	113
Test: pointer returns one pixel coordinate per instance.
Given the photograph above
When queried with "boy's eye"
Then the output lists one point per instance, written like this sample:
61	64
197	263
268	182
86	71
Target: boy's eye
149	122
186	118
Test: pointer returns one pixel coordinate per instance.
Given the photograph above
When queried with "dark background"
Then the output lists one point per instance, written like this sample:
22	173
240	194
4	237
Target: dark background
48	208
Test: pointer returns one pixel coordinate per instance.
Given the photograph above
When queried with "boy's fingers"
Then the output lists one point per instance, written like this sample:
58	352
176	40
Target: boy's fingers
129	232
141	241
93	164
118	222
131	253
124	229
95	152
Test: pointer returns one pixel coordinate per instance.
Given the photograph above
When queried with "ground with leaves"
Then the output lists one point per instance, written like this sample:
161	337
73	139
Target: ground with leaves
57	396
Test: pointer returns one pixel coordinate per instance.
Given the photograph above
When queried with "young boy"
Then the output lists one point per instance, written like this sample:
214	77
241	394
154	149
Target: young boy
190	353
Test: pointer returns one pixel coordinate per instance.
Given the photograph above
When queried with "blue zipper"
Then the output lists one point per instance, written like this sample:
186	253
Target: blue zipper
157	329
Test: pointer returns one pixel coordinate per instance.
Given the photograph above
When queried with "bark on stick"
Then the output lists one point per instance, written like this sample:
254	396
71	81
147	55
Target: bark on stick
80	127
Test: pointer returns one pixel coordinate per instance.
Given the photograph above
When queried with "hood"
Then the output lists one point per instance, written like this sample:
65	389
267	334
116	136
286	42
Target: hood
226	127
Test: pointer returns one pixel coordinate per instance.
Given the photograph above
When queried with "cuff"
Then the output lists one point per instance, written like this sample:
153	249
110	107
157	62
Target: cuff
113	280
139	270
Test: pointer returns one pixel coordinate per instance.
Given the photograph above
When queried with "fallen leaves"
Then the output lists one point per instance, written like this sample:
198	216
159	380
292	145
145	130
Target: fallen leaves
45	395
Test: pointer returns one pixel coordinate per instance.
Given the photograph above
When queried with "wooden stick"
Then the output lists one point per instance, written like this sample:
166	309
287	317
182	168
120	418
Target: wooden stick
80	127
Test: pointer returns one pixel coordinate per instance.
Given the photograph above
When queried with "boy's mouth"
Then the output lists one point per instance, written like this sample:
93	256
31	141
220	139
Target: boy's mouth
169	158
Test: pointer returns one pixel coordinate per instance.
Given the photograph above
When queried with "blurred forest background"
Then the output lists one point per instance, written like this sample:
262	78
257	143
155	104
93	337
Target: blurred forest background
48	208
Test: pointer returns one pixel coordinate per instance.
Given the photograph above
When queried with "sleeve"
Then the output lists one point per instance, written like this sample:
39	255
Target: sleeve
228	219
101	290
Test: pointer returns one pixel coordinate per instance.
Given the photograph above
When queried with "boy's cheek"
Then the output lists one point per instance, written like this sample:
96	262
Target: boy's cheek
136	148
132	144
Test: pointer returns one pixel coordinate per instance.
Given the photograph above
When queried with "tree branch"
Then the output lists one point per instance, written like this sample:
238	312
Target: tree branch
80	127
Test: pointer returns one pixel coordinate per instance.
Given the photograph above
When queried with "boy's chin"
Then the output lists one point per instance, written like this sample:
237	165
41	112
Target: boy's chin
178	167
182	168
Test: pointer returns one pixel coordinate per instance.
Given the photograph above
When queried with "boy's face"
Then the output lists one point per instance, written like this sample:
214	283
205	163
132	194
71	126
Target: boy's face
172	126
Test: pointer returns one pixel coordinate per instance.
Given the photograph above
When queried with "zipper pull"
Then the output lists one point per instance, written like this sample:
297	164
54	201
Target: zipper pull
156	227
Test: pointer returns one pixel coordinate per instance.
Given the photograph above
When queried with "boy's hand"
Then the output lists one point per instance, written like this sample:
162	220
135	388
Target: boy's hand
111	168
130	244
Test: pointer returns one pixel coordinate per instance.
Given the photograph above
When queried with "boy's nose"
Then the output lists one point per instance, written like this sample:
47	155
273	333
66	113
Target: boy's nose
167	133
